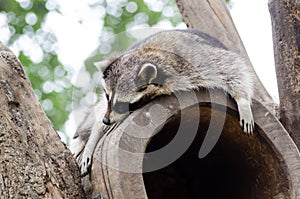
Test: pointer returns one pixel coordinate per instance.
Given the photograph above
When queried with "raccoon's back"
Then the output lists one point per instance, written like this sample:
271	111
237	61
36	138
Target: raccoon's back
207	60
178	40
205	54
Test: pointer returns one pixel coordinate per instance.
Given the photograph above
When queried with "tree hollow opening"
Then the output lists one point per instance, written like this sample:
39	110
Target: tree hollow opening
238	166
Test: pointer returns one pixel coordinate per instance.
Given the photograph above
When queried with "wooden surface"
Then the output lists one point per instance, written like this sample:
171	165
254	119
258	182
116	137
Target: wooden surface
285	17
265	165
34	163
213	17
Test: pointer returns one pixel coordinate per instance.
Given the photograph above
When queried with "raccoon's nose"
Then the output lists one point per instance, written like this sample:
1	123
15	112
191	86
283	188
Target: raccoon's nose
106	121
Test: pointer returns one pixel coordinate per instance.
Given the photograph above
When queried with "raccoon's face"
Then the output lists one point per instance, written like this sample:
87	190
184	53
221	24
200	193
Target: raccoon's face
128	87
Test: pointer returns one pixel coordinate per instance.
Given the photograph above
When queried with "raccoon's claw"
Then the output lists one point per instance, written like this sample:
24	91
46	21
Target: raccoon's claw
246	117
247	126
86	163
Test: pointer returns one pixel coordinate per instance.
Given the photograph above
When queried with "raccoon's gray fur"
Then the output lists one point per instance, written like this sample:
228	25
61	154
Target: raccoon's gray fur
175	60
170	61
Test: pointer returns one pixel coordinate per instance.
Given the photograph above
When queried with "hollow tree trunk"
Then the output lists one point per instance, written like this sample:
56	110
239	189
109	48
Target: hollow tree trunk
285	16
34	163
135	160
213	17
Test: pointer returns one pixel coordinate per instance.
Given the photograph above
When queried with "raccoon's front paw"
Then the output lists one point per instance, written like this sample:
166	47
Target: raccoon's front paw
247	123
246	117
86	162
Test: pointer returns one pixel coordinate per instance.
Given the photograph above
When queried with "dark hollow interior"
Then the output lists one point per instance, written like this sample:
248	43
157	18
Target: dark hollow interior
239	166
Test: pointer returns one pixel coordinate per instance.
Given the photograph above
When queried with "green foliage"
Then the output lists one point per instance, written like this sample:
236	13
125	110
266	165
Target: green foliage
48	77
118	24
18	16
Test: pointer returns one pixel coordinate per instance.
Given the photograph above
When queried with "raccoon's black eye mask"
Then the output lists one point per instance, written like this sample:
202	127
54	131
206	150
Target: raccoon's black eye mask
125	107
121	107
142	88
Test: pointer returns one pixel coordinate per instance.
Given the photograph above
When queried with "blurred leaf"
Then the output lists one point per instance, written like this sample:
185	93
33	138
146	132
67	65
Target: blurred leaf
24	59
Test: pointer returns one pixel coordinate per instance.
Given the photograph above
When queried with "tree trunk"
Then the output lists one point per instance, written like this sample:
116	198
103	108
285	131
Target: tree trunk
34	162
285	16
213	17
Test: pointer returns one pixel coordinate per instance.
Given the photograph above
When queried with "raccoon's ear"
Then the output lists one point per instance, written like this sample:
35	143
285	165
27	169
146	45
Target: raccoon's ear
102	65
148	73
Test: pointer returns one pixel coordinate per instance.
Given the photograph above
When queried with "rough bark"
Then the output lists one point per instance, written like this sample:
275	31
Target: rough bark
285	15
34	163
213	17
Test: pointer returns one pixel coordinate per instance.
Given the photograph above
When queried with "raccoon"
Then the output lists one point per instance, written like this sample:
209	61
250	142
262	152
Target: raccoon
167	62
172	61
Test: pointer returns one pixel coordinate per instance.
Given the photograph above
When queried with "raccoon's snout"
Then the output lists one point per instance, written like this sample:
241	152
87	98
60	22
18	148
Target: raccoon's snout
106	121
116	113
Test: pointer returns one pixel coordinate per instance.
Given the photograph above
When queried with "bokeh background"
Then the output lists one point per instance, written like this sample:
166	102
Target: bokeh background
57	42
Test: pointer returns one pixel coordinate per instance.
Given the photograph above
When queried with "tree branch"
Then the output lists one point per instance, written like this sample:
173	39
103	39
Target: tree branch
34	161
285	15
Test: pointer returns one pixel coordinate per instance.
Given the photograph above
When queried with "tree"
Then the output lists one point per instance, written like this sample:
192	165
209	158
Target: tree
286	37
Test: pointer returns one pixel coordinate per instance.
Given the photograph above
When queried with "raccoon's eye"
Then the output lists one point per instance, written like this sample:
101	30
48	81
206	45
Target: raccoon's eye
121	107
142	88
